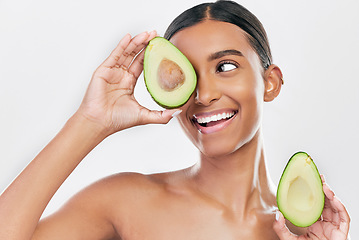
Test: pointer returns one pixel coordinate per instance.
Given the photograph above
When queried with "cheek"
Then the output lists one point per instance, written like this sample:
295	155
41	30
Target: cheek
249	96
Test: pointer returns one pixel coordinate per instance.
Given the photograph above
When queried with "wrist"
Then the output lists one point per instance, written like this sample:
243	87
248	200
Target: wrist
94	130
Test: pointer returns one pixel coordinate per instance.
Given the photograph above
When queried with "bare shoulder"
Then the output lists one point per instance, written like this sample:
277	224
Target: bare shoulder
135	183
128	184
121	188
124	192
98	211
122	182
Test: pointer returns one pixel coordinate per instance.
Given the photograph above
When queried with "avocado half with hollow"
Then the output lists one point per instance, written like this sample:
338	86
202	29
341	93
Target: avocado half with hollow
169	76
300	195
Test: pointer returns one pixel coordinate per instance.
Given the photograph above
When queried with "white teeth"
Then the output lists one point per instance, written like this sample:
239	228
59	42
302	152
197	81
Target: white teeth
214	118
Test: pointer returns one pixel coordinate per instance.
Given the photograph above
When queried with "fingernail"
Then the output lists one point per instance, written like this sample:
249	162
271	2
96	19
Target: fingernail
175	114
324	180
141	35
276	215
155	33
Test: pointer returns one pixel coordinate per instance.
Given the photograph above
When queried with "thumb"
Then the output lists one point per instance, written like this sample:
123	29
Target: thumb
160	117
281	229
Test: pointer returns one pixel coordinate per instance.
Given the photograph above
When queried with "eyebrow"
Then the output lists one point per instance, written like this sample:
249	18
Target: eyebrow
223	53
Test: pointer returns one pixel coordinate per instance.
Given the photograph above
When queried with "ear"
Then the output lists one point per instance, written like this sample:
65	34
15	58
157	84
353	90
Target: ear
273	80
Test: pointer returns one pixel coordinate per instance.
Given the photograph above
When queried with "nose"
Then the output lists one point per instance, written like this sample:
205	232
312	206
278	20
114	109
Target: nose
207	91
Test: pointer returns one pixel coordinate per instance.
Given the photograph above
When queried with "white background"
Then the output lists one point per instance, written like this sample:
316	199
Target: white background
49	50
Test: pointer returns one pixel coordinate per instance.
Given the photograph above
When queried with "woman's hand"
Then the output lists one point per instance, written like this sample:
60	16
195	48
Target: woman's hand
333	225
109	101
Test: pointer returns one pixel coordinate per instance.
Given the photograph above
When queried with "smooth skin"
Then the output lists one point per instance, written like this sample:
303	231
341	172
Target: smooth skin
228	194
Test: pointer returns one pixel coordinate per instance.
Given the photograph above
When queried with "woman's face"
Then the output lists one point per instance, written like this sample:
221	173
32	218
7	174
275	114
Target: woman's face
224	113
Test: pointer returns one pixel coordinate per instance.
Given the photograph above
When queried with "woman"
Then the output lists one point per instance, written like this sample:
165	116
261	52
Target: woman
228	194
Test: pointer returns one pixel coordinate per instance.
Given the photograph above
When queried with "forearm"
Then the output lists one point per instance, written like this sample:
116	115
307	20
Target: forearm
23	202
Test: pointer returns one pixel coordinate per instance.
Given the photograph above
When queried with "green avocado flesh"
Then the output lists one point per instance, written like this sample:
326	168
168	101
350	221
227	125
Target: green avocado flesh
300	195
169	76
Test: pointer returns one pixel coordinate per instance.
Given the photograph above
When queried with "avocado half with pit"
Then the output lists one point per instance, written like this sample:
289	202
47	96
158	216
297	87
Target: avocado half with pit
300	195
169	76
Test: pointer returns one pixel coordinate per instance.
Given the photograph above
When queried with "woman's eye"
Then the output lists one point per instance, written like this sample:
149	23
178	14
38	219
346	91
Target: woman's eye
226	66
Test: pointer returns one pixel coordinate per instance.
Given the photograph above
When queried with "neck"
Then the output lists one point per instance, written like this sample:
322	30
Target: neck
240	180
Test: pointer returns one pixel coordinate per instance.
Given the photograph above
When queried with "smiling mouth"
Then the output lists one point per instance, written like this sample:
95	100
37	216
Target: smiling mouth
208	123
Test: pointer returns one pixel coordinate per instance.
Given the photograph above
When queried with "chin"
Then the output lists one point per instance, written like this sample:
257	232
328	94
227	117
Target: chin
220	148
215	152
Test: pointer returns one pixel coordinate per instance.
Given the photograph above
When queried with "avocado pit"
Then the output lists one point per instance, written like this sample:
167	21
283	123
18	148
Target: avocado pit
170	75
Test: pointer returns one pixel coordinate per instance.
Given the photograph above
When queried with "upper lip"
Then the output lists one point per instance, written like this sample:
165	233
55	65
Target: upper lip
212	115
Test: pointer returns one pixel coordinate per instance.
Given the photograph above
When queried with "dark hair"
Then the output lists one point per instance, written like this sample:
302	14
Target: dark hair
231	12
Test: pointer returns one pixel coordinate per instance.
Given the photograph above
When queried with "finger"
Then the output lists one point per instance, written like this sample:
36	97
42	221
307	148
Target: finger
157	117
328	192
137	64
344	219
336	215
323	178
115	55
336	212
152	35
135	46
281	229
316	231
330	214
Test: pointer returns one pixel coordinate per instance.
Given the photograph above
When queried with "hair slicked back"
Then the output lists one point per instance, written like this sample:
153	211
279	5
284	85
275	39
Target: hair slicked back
230	12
